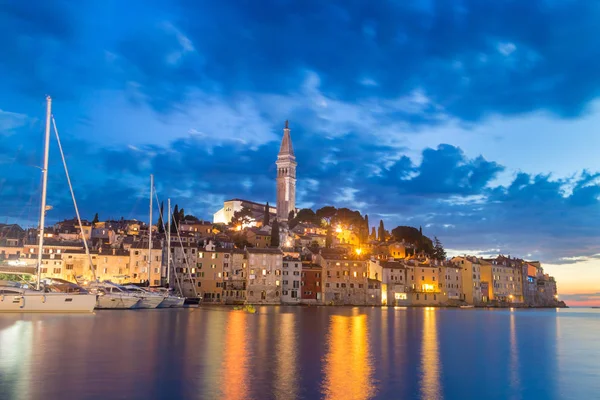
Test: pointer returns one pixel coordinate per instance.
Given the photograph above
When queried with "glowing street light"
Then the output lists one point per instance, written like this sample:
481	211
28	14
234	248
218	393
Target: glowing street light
358	251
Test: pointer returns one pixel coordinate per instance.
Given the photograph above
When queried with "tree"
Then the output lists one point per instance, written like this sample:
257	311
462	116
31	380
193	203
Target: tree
181	216
414	236
174	219
240	241
373	235
381	232
326	213
275	234
438	249
95	220
242	217
307	215
291	215
329	237
160	223
267	216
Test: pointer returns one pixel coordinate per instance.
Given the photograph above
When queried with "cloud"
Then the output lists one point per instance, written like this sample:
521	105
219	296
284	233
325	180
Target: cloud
10	121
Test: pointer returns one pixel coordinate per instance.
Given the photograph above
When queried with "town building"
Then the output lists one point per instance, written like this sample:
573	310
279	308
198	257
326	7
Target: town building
235	273
146	263
311	283
471	278
230	207
210	266
503	276
259	237
344	277
264	276
291	280
424	286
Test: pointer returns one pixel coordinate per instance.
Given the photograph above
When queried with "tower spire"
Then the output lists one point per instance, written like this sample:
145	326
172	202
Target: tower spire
286	176
286	147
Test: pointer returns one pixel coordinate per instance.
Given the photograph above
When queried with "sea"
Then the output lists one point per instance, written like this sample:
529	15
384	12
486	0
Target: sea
302	353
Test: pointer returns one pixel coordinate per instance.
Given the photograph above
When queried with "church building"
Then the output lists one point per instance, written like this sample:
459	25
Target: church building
286	189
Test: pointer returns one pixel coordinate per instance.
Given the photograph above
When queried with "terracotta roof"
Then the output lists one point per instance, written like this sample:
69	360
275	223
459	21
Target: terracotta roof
256	250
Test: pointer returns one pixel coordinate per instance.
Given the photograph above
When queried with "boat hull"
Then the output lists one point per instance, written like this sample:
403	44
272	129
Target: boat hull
47	303
172	302
118	302
148	302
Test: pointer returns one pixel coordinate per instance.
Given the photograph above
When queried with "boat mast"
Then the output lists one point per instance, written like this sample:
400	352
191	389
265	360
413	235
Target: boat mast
168	240
44	188
150	229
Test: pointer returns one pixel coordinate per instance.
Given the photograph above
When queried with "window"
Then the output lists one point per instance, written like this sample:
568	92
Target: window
264	272
355	274
401	296
326	285
276	283
57	270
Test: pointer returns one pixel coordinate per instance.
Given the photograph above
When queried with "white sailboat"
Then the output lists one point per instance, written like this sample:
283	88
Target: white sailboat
146	297
113	297
15	297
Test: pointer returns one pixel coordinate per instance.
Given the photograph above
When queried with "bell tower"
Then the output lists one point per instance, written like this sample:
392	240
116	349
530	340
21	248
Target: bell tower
286	176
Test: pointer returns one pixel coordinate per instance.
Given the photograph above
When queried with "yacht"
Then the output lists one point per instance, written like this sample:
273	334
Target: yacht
113	297
147	298
170	300
20	298
15	297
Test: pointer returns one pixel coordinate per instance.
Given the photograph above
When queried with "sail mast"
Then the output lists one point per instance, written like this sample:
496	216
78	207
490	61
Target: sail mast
168	240
150	229
44	188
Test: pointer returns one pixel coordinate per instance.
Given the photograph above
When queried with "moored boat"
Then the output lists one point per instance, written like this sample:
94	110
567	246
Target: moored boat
15	297
113	297
147	298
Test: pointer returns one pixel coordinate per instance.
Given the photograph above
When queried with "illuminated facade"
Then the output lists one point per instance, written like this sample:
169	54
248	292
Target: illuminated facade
344	278
264	276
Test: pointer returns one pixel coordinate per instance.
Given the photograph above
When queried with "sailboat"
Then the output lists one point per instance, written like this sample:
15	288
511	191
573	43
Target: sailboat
15	297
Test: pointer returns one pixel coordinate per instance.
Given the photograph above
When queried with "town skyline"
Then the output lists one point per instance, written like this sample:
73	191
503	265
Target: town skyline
485	142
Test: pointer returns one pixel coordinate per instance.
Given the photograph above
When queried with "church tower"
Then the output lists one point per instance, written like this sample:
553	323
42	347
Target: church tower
286	177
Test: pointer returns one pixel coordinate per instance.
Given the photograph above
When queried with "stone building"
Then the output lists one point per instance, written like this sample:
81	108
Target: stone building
291	280
504	278
235	273
424	286
146	264
210	265
264	276
344	278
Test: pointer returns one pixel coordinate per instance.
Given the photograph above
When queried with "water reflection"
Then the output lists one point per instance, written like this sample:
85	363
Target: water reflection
348	364
430	357
515	382
234	369
286	386
15	360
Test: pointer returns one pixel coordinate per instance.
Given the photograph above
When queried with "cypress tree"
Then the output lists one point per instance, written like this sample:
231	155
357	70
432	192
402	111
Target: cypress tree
160	218
275	234
381	233
267	216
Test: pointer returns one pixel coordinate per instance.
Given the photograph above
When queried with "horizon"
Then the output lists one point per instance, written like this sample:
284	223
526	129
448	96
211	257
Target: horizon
475	122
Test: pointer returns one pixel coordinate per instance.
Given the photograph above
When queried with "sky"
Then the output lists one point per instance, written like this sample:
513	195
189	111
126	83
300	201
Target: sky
475	120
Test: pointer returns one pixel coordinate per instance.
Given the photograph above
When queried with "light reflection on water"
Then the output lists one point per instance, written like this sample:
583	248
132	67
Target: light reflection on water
348	364
430	357
301	353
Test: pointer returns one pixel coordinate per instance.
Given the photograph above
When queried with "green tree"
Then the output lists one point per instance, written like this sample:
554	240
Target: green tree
275	234
95	220
438	249
267	216
242	217
329	237
373	235
181	216
307	215
291	215
326	214
175	219
381	232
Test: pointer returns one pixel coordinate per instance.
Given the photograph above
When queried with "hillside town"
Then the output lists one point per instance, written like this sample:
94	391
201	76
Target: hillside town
255	253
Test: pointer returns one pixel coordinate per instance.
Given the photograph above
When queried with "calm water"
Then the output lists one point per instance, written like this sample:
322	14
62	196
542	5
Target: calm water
302	353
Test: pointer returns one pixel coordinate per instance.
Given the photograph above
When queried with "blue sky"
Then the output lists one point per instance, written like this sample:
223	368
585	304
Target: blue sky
477	120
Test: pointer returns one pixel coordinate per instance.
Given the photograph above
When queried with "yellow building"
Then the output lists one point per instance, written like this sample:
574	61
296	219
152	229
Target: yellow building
111	264
471	278
424	286
209	274
141	269
259	238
